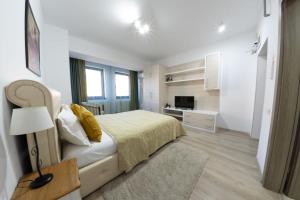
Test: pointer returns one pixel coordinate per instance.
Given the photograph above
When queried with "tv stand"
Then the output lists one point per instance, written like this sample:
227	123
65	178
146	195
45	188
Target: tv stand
183	108
199	119
174	112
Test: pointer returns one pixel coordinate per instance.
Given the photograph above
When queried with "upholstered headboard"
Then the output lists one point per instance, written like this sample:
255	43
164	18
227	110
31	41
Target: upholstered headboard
28	93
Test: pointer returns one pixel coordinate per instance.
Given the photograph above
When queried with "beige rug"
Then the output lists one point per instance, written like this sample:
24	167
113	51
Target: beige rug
169	174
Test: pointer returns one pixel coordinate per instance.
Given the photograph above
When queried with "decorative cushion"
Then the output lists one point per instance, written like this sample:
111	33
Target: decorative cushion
70	127
88	122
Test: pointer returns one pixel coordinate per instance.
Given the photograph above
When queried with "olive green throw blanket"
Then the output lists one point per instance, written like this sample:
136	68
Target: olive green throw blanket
139	134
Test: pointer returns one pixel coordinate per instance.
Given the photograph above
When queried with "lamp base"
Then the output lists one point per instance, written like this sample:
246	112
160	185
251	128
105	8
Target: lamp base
41	181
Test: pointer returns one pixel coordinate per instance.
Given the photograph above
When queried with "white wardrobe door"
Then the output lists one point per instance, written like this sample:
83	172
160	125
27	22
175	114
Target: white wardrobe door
212	64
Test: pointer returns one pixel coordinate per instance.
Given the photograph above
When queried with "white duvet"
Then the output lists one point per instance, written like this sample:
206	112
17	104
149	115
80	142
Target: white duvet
89	154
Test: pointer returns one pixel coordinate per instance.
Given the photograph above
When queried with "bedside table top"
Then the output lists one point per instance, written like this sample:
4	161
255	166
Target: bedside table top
65	181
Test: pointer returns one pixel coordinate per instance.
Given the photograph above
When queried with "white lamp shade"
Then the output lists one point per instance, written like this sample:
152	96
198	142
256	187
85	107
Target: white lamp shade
29	120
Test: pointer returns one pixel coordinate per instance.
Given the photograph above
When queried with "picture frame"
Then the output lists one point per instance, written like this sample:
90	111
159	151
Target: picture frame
32	41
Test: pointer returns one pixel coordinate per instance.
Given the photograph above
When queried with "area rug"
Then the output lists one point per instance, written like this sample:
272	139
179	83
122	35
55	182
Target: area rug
170	174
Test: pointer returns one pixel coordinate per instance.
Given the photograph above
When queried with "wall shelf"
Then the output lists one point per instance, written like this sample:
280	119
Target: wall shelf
185	71
185	80
174	115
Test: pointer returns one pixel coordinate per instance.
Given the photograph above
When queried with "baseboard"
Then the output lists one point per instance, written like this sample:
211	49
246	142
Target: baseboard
284	197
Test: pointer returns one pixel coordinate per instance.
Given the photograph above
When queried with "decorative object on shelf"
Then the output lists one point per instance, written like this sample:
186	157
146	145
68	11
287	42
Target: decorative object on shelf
32	41
167	105
267	8
169	78
32	120
255	46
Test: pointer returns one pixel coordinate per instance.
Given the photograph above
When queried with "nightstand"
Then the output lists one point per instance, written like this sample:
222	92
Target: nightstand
65	184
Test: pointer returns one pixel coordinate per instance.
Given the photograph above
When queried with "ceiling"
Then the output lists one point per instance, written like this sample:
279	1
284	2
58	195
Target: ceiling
176	25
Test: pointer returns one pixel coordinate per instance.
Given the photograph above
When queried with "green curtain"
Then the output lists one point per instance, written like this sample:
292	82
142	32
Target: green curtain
134	90
78	80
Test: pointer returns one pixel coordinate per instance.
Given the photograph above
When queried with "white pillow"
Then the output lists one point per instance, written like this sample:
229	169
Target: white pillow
70	127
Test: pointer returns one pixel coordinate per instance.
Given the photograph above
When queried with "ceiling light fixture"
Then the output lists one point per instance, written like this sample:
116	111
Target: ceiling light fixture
137	24
128	12
145	29
142	28
222	28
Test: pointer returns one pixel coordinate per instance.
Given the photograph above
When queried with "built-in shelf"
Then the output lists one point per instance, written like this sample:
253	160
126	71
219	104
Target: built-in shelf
208	112
185	71
185	80
174	115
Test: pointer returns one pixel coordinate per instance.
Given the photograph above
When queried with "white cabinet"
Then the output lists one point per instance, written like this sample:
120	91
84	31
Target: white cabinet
204	120
198	119
155	92
212	71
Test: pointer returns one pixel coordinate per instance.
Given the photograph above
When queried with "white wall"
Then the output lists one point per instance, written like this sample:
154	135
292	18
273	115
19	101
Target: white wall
56	73
13	67
58	43
98	53
238	78
269	28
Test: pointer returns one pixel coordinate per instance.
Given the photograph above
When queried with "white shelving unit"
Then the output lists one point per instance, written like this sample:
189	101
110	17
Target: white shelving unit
177	113
208	68
199	119
184	80
185	71
174	115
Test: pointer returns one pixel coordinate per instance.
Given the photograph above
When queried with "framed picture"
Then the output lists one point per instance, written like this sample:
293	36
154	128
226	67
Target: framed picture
32	41
267	8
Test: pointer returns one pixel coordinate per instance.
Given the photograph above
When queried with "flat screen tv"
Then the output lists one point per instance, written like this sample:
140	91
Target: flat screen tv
185	102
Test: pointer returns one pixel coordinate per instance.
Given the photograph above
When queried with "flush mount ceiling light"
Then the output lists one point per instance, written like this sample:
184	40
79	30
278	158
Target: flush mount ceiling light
141	28
127	11
221	28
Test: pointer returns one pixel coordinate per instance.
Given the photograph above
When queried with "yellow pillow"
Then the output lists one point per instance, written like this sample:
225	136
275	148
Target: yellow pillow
88	122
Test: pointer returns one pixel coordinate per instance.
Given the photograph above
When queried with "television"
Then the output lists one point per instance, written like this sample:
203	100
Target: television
185	102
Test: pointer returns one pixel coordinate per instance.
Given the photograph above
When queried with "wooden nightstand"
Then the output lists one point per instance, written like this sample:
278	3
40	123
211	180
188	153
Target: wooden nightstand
65	183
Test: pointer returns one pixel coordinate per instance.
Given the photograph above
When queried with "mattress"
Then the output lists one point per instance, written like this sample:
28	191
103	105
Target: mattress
89	154
139	133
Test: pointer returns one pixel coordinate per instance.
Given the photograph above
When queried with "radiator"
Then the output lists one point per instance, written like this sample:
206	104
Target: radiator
95	108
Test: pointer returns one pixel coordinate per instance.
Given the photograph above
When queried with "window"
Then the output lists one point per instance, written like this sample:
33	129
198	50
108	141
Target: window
122	85
94	83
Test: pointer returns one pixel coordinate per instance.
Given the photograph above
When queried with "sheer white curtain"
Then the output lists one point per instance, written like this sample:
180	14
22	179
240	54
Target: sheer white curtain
111	103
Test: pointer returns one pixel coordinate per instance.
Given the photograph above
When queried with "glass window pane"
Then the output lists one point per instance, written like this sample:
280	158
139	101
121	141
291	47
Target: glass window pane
94	83
122	85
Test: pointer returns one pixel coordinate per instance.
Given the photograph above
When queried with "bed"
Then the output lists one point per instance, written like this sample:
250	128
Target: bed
128	138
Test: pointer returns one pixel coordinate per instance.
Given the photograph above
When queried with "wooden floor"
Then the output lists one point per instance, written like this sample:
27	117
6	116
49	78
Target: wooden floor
231	172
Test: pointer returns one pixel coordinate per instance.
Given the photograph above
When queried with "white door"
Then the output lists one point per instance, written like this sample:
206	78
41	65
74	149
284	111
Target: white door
261	76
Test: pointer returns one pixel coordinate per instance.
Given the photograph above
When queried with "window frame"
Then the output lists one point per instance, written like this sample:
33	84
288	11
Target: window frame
102	80
124	74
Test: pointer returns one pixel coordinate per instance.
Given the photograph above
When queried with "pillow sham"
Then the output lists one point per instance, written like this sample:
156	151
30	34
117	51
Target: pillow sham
70	128
88	122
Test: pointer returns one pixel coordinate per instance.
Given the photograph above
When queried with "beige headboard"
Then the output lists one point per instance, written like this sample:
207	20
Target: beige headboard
28	93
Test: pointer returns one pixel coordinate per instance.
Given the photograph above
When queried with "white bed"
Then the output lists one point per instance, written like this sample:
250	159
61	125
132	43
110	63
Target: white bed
28	93
87	155
99	163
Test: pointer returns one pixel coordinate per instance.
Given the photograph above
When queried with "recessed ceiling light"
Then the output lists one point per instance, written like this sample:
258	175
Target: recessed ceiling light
142	28
137	24
222	28
146	28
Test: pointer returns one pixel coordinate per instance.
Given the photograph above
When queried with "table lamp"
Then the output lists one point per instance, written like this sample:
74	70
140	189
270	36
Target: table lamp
32	120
